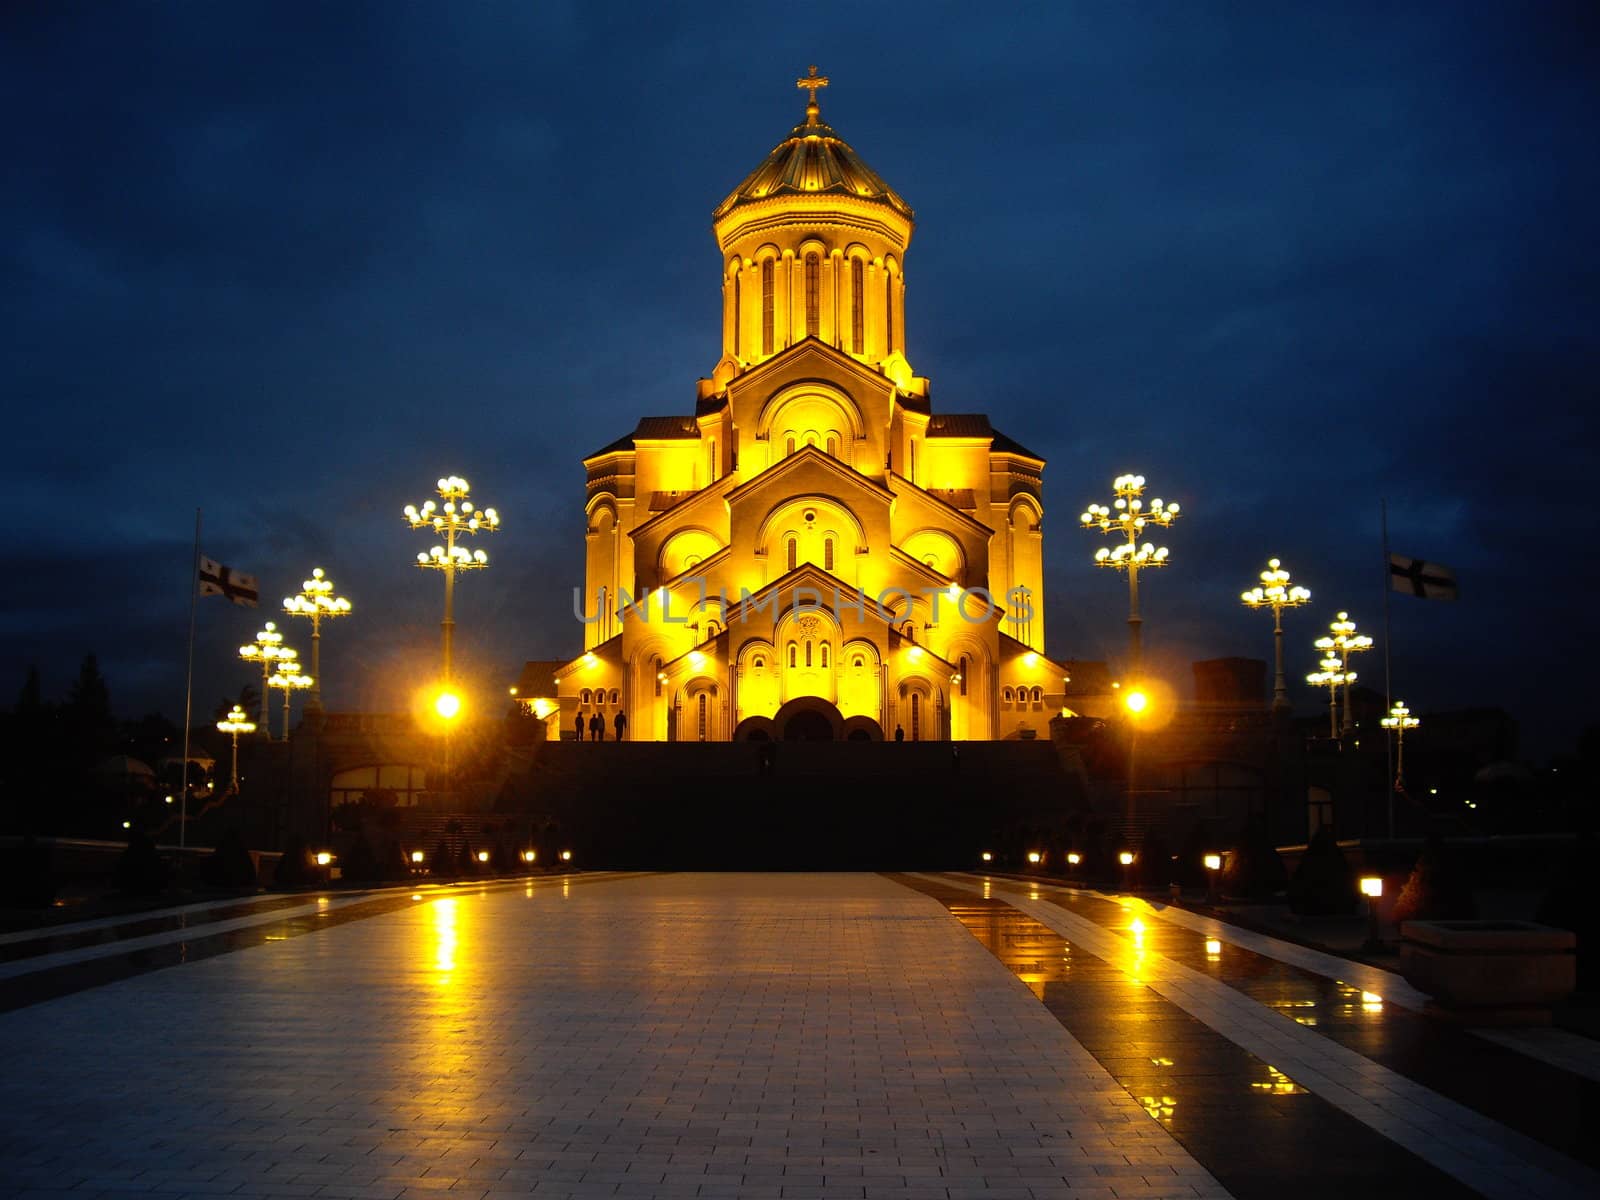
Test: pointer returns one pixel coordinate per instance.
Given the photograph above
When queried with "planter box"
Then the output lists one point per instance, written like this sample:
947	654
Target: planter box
1490	972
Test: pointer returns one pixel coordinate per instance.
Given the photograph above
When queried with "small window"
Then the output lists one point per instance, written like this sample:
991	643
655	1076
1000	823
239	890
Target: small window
758	662
813	293
1038	695
824	653
859	662
792	652
738	315
587	697
767	294
793	554
858	307
789	446
616	696
702	716
827	554
1005	695
964	669
916	717
888	308
833	446
808	652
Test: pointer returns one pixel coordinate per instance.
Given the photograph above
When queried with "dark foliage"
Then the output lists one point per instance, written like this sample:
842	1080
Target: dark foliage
1573	903
1254	871
294	868
26	880
1153	867
1439	887
1323	883
357	862
141	871
230	865
441	862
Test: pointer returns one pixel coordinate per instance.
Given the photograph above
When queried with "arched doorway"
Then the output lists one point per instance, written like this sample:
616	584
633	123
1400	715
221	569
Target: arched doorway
808	719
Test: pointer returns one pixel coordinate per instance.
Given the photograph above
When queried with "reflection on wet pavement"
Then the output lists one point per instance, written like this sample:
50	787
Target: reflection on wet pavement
1248	1121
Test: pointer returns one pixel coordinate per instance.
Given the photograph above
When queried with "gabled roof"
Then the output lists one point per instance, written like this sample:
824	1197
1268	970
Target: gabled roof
809	454
900	481
809	345
625	442
961	425
1005	445
651	429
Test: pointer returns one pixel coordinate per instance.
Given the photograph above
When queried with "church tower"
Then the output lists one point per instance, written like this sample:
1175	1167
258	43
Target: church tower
813	552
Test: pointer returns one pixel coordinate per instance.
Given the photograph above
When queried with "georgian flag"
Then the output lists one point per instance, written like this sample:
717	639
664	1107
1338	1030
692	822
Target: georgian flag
1424	580
218	580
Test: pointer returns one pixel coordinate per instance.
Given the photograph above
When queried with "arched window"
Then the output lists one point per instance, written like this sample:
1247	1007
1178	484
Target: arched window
1005	695
888	309
859	662
858	307
738	314
1037	696
813	293
827	554
588	697
964	668
758	662
702	716
808	652
916	716
655	665
833	446
793	553
616	696
792	652
824	653
711	459
767	292
789	446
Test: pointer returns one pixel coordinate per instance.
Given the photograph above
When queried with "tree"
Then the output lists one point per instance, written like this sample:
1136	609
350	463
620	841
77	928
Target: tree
88	712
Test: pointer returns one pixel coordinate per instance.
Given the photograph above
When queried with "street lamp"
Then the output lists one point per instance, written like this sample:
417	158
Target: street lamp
266	650
1344	641
316	601
1275	593
1332	675
288	677
236	723
1129	518
455	518
1399	720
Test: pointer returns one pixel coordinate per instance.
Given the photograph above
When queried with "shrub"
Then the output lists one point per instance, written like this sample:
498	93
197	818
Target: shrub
294	868
1254	871
25	876
1438	888
1323	884
1153	868
442	863
466	861
141	871
1572	903
230	864
357	863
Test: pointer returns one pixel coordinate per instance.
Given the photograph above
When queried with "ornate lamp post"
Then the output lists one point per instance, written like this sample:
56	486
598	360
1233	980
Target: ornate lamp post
288	677
1399	720
1332	676
456	518
266	650
316	601
1275	593
236	723
1342	642
1129	518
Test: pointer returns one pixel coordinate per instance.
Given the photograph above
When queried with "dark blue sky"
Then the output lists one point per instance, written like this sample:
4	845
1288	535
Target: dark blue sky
292	262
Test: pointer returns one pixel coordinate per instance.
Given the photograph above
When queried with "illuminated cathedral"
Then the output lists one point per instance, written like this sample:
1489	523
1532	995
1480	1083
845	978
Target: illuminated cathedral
813	553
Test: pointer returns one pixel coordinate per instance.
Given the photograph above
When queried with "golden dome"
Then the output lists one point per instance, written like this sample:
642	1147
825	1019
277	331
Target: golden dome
813	160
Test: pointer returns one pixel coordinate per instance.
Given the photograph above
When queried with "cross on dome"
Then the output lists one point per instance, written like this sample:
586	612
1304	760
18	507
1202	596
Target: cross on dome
811	83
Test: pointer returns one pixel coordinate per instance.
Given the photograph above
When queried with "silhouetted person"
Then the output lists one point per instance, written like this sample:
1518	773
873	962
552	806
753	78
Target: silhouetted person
597	728
620	722
899	734
577	725
769	755
955	760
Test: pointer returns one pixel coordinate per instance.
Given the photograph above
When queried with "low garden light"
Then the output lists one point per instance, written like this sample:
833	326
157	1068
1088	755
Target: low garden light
324	858
483	856
1126	858
1035	857
1213	865
1275	593
1372	889
1074	858
566	856
1213	862
529	855
416	858
234	723
986	856
1372	886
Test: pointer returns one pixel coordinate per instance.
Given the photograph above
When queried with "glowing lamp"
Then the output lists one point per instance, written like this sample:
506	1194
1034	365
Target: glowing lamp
1074	858
986	856
483	856
1126	858
1372	886
1136	701
447	705
416	857
1213	862
566	856
529	855
323	858
1035	857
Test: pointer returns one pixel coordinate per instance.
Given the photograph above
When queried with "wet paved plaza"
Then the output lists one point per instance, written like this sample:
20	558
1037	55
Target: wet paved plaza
754	1035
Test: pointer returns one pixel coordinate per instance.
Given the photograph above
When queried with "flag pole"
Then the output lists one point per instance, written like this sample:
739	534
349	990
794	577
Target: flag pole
1388	699
188	695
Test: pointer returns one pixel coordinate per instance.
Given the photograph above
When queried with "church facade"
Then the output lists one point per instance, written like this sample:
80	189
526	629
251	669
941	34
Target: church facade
813	552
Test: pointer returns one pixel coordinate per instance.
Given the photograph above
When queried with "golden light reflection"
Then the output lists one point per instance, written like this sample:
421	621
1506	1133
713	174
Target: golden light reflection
1278	1084
1161	1062
1213	948
1159	1107
446	935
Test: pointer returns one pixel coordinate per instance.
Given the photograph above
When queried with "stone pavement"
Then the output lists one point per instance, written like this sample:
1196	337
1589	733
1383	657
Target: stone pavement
661	1035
